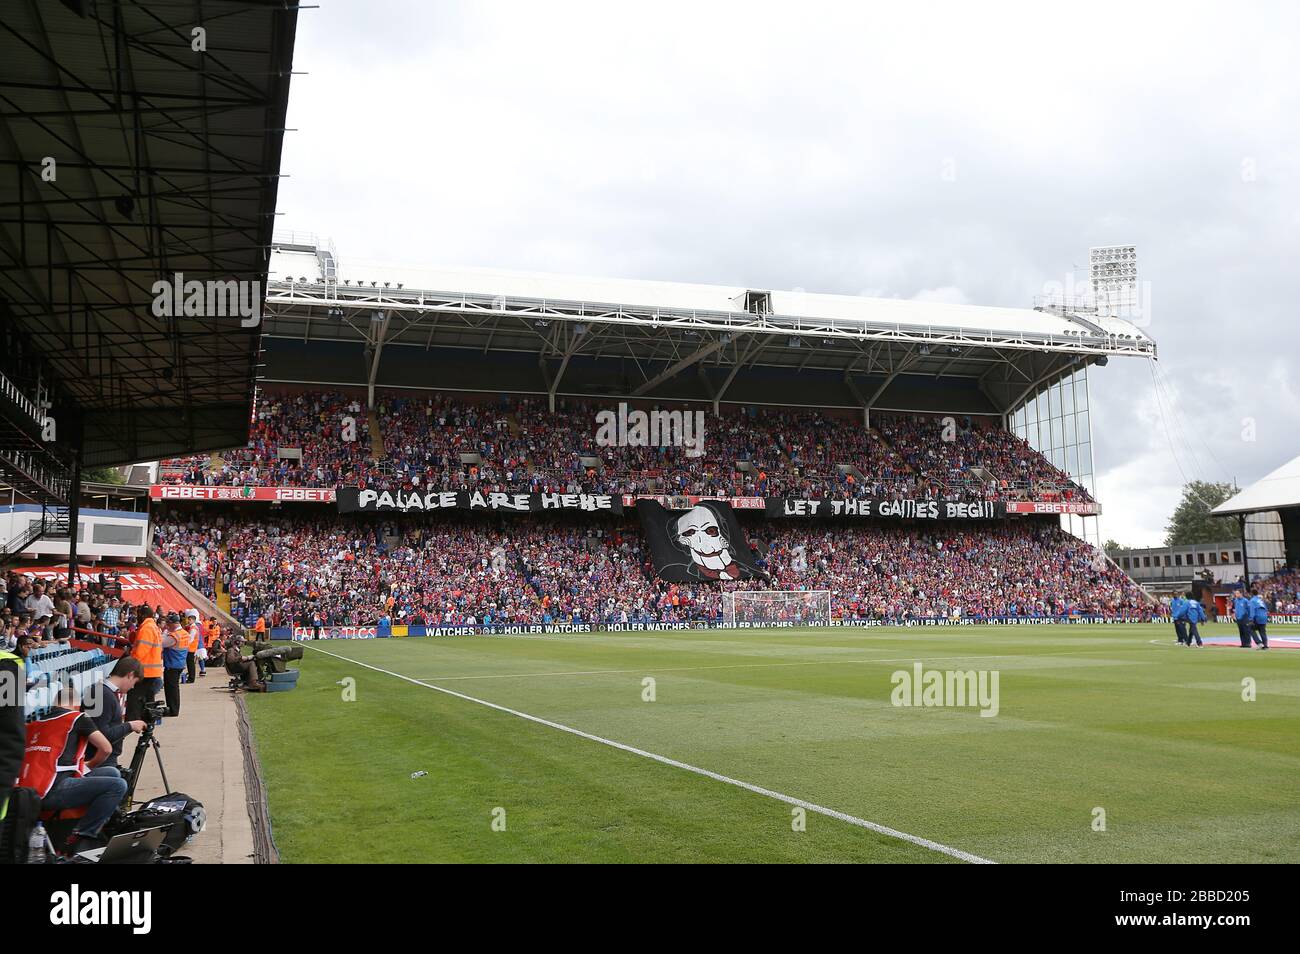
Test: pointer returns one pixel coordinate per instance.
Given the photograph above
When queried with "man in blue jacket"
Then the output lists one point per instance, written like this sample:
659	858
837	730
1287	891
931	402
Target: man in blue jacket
1178	612
1195	614
1259	616
175	657
1241	613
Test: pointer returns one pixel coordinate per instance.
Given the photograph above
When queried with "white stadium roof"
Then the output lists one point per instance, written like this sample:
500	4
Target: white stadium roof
1276	491
484	329
303	266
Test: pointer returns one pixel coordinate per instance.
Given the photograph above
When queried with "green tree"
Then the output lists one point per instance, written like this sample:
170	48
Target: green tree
102	475
1191	521
1110	546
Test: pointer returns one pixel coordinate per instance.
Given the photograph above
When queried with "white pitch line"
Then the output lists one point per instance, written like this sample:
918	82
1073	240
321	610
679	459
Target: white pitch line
646	671
664	760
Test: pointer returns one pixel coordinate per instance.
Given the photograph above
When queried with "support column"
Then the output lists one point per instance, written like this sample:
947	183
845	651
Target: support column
1245	553
74	511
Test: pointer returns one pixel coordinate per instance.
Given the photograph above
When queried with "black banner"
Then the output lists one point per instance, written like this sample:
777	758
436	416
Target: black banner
697	545
874	509
353	500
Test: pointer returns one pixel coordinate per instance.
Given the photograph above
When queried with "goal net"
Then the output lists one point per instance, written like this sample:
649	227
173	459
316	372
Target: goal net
780	607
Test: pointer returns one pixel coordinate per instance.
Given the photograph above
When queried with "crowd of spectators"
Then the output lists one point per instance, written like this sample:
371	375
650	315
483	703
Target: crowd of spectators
1281	591
968	459
516	443
358	570
302	439
50	611
188	546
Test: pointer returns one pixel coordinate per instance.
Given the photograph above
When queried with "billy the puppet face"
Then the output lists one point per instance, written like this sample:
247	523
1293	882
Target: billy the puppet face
698	530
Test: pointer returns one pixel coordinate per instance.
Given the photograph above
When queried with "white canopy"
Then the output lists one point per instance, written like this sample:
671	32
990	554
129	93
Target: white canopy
1275	491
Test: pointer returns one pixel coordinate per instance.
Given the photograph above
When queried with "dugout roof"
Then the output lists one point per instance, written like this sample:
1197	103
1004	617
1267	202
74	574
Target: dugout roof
166	160
335	322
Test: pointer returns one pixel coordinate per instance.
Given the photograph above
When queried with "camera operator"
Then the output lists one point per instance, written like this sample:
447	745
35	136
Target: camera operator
103	701
245	667
55	766
146	647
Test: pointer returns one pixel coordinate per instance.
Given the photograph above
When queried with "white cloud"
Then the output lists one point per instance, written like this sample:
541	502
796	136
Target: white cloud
949	151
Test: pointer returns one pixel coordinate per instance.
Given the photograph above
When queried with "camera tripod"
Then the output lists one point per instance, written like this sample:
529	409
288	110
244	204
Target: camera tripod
147	741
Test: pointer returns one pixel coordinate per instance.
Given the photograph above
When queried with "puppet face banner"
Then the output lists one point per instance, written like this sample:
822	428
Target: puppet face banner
697	545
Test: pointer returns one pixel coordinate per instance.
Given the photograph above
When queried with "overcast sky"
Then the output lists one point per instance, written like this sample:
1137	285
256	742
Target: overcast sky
971	152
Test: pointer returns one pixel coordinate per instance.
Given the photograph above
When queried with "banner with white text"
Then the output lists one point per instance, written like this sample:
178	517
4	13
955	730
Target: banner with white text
355	500
873	509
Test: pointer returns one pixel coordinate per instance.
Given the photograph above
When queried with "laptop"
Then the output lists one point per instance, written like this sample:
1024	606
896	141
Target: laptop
130	847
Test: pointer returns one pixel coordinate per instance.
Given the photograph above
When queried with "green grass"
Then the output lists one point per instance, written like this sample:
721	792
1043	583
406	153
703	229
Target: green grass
1090	717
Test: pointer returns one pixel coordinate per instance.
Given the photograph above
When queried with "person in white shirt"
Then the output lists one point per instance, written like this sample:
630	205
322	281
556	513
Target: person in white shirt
39	604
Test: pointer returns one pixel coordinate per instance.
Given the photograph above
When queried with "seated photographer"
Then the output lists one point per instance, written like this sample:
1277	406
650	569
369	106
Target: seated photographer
105	701
243	667
55	766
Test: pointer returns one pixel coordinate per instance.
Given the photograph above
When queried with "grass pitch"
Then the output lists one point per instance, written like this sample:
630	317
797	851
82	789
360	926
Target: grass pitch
1110	718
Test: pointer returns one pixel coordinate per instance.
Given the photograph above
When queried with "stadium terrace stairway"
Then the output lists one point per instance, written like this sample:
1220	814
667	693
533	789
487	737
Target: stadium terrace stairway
377	449
219	583
200	602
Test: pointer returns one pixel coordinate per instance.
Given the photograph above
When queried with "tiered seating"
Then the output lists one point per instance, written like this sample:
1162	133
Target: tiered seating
1281	591
786	452
184	470
459	570
59	667
978	462
188	548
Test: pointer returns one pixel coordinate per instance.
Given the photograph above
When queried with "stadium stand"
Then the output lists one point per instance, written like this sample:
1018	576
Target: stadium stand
353	571
1281	590
51	668
517	444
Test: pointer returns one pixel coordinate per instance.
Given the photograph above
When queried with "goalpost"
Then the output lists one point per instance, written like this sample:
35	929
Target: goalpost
767	607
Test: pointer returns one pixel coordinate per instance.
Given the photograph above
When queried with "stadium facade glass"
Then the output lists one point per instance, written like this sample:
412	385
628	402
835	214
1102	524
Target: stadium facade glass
1056	422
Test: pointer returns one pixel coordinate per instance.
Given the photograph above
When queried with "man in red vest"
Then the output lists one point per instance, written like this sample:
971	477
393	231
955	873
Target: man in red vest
55	766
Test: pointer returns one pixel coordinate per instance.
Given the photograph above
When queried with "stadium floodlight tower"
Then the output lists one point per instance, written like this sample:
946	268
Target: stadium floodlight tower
1113	275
